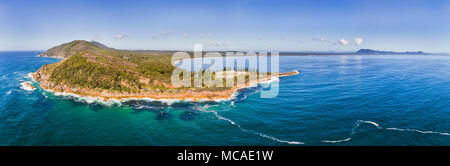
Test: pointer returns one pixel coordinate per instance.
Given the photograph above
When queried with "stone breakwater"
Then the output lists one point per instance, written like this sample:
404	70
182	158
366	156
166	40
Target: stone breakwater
43	80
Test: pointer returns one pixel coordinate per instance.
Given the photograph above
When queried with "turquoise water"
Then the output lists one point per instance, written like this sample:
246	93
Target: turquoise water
336	100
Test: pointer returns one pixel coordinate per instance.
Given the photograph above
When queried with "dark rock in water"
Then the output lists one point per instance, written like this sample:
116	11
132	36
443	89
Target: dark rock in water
76	103
144	104
43	103
95	107
188	116
182	105
162	115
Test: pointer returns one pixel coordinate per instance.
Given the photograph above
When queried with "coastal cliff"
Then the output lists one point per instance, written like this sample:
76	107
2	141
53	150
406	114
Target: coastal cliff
94	70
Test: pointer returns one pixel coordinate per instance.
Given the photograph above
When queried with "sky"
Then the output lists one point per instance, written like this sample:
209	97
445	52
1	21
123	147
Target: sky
260	25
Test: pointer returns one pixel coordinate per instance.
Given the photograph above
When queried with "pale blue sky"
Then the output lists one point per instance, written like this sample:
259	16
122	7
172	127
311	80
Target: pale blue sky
327	25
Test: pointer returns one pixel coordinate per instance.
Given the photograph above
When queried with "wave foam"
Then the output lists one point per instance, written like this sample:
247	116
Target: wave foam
24	86
337	141
254	132
145	107
101	100
30	75
278	140
419	131
359	122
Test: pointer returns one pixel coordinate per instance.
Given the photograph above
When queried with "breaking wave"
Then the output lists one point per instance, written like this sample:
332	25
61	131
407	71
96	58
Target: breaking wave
24	86
359	122
251	131
30	76
419	131
337	141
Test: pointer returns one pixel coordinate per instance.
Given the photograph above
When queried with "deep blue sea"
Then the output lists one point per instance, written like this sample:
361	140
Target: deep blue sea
335	100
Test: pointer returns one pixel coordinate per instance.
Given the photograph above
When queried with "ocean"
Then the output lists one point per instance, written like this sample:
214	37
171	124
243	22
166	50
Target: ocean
334	101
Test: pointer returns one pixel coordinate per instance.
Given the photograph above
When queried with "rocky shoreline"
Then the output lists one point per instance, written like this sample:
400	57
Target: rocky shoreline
27	86
105	96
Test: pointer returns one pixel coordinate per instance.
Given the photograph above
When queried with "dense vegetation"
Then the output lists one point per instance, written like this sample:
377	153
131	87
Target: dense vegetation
101	68
95	66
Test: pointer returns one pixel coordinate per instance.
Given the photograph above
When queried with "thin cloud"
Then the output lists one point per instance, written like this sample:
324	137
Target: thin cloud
344	42
359	41
219	43
320	39
97	38
206	35
165	33
121	36
154	37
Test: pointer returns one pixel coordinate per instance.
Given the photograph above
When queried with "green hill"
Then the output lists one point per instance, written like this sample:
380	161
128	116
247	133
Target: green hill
69	49
95	66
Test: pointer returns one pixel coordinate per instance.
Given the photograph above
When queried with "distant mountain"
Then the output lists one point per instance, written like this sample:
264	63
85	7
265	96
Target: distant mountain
359	52
313	53
376	52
